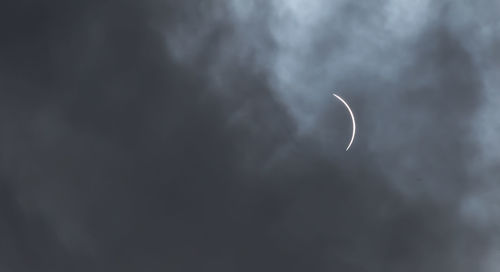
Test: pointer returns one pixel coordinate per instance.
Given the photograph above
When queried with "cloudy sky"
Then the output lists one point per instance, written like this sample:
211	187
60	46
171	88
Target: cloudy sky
181	136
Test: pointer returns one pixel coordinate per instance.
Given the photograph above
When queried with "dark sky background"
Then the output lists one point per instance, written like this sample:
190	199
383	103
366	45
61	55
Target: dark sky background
165	135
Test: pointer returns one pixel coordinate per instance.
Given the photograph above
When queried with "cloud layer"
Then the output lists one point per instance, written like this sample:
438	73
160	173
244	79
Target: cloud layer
197	136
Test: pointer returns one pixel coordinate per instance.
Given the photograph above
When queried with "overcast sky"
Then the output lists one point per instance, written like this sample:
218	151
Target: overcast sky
164	135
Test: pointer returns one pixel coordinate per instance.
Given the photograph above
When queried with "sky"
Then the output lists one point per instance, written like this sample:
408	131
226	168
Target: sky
164	135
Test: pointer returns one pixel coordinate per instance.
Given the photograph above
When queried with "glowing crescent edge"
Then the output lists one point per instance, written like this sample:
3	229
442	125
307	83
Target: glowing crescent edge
353	122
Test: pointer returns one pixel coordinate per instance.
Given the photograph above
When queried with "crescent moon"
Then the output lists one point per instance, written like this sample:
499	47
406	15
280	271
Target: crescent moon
352	118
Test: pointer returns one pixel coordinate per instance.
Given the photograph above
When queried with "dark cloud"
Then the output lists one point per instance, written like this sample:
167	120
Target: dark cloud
194	136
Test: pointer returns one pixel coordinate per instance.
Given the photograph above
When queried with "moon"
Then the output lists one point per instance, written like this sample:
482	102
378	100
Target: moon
352	118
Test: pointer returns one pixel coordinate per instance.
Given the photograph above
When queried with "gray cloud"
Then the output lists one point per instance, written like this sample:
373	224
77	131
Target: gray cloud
421	75
194	136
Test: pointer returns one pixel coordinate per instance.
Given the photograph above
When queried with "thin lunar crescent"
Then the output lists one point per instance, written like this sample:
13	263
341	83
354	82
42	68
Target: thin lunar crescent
352	118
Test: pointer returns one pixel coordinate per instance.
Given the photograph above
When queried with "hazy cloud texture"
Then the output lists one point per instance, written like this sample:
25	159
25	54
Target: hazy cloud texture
193	135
